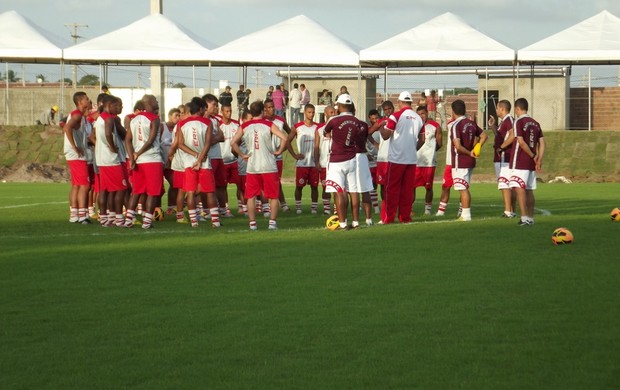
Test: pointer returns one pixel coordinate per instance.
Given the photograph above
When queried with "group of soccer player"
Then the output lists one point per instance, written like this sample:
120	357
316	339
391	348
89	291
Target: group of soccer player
201	150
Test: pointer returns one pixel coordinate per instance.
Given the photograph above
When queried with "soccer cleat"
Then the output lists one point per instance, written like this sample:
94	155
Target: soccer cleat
272	227
313	212
171	210
525	223
327	212
93	216
298	211
147	227
463	219
86	221
267	214
427	212
74	220
228	214
216	225
253	227
504	215
440	214
369	222
286	209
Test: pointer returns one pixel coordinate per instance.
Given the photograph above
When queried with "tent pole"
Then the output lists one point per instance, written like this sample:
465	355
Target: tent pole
194	79
210	76
359	93
62	89
532	90
385	84
485	118
589	99
6	96
514	84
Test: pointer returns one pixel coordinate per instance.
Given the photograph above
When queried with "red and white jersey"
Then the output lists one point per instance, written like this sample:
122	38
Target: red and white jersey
466	131
215	152
384	144
406	125
258	139
427	154
372	150
449	141
104	156
305	143
505	126
229	130
528	129
194	130
177	160
79	137
325	145
279	122
345	130
140	127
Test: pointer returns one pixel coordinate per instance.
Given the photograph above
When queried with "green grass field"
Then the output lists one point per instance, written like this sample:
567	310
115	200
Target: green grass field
433	304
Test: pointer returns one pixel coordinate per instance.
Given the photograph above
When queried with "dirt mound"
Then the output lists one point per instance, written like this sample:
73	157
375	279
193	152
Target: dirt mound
34	173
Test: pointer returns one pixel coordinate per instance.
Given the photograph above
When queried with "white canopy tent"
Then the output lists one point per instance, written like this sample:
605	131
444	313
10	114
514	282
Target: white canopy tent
22	41
298	41
154	39
595	41
445	40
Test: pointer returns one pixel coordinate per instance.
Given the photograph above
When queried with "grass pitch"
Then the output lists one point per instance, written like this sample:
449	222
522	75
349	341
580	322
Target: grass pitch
433	304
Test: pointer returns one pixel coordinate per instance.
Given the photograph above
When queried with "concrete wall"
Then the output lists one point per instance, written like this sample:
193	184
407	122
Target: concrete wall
547	97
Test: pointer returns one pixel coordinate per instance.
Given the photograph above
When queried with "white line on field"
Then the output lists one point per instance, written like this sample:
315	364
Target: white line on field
16	206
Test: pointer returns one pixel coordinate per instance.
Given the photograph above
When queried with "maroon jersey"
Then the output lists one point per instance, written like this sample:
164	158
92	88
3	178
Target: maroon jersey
528	129
466	131
347	131
504	128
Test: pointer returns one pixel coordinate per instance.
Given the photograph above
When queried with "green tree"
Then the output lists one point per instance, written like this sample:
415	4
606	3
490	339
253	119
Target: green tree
12	78
179	85
42	77
67	81
89	79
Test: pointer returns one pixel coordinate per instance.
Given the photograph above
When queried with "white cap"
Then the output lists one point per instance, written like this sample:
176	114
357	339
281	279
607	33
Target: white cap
344	99
405	97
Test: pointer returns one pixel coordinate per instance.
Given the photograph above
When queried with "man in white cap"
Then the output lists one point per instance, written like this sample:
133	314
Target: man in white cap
402	129
345	130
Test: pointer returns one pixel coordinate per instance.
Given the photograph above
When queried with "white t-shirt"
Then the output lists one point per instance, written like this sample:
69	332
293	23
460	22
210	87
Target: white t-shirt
257	137
305	143
194	130
427	155
140	127
79	137
104	155
325	145
229	131
406	125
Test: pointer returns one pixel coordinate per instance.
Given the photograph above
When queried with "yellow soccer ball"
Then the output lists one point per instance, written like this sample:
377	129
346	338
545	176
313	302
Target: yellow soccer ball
615	215
158	214
332	222
562	236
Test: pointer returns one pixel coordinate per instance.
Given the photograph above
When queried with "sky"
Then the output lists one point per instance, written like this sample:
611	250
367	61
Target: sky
363	23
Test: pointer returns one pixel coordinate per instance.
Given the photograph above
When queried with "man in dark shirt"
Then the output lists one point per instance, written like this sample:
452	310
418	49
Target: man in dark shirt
226	97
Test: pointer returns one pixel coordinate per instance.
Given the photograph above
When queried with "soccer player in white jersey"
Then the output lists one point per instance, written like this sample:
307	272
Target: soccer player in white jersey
427	158
501	156
195	134
243	164
305	170
144	151
372	148
322	146
175	158
167	137
283	126
229	128
76	153
215	152
262	170
384	146
112	176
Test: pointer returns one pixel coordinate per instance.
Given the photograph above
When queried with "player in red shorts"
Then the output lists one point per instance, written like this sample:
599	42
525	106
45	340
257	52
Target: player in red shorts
527	155
262	171
283	126
322	146
175	158
229	128
305	170
215	152
372	148
76	149
143	149
112	177
167	137
195	133
384	145
427	157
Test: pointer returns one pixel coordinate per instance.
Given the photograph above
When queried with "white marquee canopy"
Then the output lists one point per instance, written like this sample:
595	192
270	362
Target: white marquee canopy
22	41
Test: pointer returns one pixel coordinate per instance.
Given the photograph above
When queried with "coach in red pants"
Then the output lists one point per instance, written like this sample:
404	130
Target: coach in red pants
403	130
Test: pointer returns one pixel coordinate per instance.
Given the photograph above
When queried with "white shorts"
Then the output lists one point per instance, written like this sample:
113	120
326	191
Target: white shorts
341	177
363	176
523	178
461	178
503	173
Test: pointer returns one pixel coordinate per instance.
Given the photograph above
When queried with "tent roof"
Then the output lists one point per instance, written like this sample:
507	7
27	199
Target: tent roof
298	41
22	41
153	39
594	41
445	40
